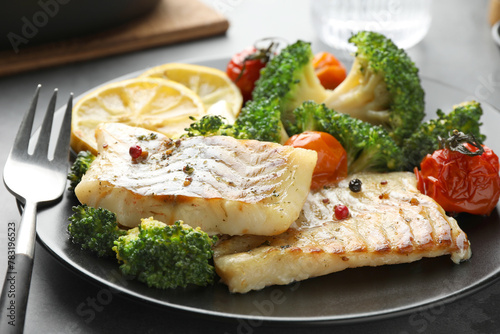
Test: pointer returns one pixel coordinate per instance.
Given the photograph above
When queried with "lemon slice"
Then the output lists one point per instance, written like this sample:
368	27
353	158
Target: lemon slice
223	109
155	104
211	85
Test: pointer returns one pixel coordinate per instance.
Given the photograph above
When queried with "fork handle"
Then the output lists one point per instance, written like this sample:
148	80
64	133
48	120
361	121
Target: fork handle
16	286
14	297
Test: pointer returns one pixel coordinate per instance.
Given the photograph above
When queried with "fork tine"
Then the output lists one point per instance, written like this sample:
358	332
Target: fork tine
42	145
62	146
23	136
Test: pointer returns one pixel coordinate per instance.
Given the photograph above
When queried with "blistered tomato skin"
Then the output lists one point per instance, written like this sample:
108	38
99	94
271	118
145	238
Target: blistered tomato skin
331	166
461	183
244	72
329	70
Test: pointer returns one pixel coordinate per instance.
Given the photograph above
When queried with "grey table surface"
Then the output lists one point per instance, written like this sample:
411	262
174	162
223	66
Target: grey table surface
458	49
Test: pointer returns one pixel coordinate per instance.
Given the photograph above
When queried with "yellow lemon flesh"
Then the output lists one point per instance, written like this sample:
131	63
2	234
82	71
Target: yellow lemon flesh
210	84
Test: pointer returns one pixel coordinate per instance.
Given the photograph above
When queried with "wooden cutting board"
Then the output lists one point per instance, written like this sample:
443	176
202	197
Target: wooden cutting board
172	21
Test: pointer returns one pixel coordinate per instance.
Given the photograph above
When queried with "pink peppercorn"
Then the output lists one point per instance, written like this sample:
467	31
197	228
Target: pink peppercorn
341	211
135	151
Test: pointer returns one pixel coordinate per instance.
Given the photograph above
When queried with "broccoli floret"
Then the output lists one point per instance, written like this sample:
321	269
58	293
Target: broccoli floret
425	140
209	125
79	168
94	229
259	120
290	77
383	87
368	147
166	256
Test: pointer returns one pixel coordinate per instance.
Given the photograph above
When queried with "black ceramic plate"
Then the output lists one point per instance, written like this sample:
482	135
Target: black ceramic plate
348	296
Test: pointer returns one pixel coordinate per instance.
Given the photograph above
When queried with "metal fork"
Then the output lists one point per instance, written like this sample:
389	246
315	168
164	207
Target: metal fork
34	178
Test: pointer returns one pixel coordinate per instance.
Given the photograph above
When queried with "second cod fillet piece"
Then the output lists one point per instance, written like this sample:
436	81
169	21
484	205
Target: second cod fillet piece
220	184
390	222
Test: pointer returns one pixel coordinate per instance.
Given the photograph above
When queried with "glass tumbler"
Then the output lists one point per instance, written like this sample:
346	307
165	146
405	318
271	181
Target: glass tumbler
406	22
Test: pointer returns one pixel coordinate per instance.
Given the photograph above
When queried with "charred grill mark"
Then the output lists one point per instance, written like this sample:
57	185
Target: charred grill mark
441	230
384	248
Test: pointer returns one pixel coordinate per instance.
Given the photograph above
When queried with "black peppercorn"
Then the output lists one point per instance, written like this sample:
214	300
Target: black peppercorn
355	185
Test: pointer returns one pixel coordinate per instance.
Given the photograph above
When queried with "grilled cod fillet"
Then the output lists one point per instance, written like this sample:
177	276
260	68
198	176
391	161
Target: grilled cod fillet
390	222
220	184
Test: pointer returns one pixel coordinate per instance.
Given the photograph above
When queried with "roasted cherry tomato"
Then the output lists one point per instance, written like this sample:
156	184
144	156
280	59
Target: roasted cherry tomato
332	158
329	70
460	182
244	69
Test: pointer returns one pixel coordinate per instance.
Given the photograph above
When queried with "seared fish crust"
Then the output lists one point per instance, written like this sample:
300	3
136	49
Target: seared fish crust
390	222
221	184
